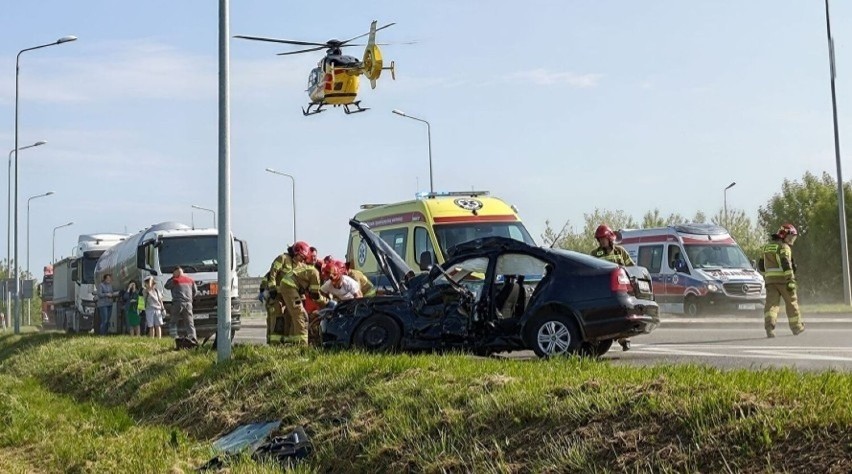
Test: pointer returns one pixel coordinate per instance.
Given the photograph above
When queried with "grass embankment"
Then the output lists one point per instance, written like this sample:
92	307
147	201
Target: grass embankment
90	404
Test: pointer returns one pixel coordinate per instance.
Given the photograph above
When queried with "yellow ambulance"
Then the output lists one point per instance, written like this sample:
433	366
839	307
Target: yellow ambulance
422	230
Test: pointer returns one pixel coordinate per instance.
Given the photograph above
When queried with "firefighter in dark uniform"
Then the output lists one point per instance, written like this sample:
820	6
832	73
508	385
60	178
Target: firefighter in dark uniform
779	273
607	250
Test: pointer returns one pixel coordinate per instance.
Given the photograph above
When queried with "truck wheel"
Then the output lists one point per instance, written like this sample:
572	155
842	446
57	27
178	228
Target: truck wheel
691	306
378	333
553	335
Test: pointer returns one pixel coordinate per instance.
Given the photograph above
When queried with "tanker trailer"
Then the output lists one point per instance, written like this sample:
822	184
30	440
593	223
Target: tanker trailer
157	251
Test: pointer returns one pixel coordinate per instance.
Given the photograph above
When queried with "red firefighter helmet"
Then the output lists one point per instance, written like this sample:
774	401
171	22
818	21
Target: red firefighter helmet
303	249
334	269
603	231
787	229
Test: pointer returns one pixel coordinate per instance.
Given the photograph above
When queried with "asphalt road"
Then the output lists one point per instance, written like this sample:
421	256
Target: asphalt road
723	342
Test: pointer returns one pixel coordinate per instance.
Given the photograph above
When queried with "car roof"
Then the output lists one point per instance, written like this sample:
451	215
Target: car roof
495	243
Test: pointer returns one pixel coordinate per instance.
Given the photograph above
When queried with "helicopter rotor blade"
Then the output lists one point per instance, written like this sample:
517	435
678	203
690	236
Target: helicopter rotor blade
302	51
367	33
284	41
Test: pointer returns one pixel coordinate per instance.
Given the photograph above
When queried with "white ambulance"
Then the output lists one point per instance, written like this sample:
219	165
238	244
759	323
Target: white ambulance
696	268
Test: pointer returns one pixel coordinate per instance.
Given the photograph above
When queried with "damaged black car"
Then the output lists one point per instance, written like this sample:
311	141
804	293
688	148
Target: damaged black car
494	295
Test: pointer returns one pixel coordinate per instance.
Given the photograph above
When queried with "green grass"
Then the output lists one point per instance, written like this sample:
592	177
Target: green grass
422	413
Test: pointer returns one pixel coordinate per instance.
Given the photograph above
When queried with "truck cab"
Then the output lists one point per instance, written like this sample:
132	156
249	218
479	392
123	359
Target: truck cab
696	268
74	283
158	250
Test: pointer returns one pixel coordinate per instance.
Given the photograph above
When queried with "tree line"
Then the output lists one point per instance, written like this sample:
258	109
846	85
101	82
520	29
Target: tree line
809	203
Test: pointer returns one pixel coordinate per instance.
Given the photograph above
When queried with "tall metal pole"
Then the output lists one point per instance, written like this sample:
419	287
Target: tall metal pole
64	39
844	246
727	224
28	244
8	294
270	170
208	210
54	239
223	328
429	136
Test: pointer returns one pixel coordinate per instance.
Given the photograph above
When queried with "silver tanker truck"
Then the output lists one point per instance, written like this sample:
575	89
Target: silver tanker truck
157	251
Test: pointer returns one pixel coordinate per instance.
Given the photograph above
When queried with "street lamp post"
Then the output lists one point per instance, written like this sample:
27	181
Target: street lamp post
28	241
9	222
64	39
841	200
726	202
294	196
54	239
208	210
429	134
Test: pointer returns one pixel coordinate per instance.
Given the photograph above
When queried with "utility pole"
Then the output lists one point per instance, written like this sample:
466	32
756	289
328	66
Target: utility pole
841	201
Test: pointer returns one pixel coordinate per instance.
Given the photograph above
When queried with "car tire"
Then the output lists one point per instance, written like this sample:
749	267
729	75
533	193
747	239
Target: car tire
554	335
691	306
378	333
597	349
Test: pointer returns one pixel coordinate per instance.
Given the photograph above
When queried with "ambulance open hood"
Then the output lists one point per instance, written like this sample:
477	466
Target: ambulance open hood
393	266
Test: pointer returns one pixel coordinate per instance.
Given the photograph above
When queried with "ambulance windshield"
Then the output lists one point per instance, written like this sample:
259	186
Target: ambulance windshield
450	235
717	256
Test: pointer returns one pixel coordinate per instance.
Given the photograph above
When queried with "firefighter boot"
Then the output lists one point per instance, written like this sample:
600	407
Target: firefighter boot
625	344
770	328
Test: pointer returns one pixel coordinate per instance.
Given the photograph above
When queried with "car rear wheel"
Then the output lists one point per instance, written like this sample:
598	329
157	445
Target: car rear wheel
554	335
597	349
378	333
691	307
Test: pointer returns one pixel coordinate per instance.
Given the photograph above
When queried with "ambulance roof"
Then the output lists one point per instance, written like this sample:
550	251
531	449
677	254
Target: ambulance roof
439	208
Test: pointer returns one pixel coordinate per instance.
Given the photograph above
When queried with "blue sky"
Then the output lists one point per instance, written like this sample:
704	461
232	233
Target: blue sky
559	107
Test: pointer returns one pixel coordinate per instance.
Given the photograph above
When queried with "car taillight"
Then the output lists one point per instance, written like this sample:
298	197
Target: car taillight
619	282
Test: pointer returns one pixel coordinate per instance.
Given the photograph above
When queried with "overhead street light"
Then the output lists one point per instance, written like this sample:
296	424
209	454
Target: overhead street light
208	210
294	196
54	238
429	134
29	275
726	203
64	39
9	220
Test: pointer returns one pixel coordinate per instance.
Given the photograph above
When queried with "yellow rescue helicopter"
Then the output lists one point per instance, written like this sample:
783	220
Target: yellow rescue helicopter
335	79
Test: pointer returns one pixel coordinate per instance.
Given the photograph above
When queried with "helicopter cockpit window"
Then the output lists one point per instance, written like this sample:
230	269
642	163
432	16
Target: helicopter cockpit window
313	78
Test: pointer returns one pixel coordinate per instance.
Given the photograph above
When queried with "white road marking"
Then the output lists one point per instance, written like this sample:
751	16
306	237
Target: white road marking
750	352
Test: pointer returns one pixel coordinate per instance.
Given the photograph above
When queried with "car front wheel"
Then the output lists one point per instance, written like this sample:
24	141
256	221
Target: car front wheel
554	335
377	333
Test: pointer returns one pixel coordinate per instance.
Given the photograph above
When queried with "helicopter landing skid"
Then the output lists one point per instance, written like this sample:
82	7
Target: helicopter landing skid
317	110
357	104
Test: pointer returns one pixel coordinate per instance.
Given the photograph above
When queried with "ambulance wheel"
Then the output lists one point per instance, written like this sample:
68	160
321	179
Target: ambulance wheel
691	306
378	333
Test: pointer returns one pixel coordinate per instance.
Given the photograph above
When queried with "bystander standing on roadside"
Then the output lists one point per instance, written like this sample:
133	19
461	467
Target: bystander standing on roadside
183	291
106	296
153	308
130	304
